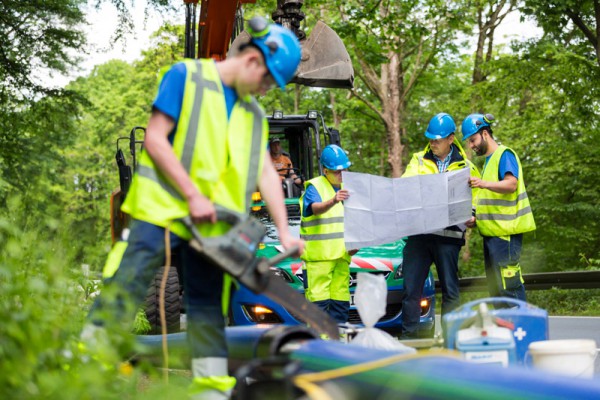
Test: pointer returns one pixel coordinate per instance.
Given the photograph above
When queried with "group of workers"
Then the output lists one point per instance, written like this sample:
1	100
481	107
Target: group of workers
205	144
501	211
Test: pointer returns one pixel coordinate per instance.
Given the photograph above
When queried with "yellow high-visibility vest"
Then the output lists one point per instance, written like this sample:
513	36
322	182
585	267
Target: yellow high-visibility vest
501	214
223	158
323	234
419	165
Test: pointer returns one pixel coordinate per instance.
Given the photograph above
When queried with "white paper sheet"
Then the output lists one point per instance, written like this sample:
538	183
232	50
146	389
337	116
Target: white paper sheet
382	210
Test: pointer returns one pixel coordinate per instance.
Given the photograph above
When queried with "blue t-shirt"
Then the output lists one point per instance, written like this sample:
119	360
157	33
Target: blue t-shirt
311	195
170	94
508	163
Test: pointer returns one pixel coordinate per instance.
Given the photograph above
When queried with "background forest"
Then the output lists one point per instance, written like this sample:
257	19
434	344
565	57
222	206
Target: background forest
412	59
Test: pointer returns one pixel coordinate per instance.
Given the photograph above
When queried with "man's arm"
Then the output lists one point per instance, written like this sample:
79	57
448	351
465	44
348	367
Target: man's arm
157	145
292	173
324	206
270	189
506	185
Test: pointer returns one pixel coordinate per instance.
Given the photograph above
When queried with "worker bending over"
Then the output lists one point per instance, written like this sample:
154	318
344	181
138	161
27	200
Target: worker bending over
205	145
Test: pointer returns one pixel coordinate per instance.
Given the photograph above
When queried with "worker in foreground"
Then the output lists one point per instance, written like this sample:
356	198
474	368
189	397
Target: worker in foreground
442	154
205	144
502	212
326	266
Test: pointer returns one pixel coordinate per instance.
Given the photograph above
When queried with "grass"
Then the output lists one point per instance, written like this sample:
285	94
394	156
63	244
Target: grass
563	302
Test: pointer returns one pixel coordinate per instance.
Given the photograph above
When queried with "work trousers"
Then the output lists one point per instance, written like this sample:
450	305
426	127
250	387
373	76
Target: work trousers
502	266
203	284
419	253
326	284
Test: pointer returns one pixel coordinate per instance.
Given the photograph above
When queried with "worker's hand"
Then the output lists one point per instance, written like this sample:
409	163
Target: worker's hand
298	181
471	223
475	182
201	209
352	252
341	195
288	241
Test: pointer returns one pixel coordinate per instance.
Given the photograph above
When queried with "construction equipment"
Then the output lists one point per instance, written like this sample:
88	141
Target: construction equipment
325	61
235	253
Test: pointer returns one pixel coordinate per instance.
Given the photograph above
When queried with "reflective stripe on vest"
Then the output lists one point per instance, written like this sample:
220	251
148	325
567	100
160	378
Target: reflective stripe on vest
324	234
223	158
501	214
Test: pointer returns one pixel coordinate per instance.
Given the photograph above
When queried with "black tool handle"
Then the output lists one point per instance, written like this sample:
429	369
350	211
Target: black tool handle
223	214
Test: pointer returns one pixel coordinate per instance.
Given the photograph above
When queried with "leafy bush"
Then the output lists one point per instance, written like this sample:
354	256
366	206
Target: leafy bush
43	304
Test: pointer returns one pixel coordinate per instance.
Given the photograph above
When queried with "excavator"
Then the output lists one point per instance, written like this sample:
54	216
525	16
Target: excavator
214	29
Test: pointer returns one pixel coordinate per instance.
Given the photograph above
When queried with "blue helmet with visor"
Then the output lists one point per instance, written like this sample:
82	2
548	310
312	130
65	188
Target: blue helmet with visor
474	123
279	46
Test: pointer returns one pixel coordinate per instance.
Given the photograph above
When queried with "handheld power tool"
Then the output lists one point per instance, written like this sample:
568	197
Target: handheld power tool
235	253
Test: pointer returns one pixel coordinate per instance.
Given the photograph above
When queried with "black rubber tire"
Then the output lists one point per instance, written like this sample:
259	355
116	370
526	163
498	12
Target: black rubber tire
172	302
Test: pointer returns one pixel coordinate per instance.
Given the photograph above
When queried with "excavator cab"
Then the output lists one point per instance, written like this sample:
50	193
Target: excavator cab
302	138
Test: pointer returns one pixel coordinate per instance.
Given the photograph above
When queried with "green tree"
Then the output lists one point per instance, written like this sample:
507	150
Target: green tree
574	24
547	111
36	35
120	96
393	44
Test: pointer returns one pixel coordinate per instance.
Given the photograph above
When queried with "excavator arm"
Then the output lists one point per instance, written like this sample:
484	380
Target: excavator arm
325	61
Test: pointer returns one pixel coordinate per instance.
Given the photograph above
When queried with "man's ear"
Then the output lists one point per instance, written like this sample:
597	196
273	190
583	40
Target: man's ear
252	58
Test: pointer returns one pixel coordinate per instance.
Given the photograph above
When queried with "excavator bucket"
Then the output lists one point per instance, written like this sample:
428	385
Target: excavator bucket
325	60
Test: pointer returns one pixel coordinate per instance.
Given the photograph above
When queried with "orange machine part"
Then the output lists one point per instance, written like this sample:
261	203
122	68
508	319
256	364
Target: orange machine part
215	26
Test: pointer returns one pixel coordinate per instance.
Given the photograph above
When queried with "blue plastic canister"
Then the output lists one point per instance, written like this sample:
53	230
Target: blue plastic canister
527	322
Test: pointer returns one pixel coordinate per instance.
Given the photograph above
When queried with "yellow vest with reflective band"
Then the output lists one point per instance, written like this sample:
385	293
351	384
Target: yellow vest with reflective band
323	234
501	214
422	166
223	158
419	165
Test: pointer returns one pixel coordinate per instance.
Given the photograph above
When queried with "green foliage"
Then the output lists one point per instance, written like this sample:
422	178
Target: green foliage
581	302
36	35
570	23
551	123
43	304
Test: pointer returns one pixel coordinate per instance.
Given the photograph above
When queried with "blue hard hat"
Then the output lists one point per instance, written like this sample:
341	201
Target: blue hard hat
279	46
441	126
334	158
473	124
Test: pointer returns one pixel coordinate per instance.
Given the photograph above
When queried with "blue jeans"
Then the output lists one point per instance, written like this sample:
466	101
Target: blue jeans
419	253
203	284
500	253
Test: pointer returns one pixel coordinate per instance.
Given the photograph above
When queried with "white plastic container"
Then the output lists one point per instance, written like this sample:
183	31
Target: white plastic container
566	357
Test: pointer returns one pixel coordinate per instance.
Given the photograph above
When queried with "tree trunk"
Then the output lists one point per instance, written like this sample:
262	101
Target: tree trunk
337	117
390	80
487	25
